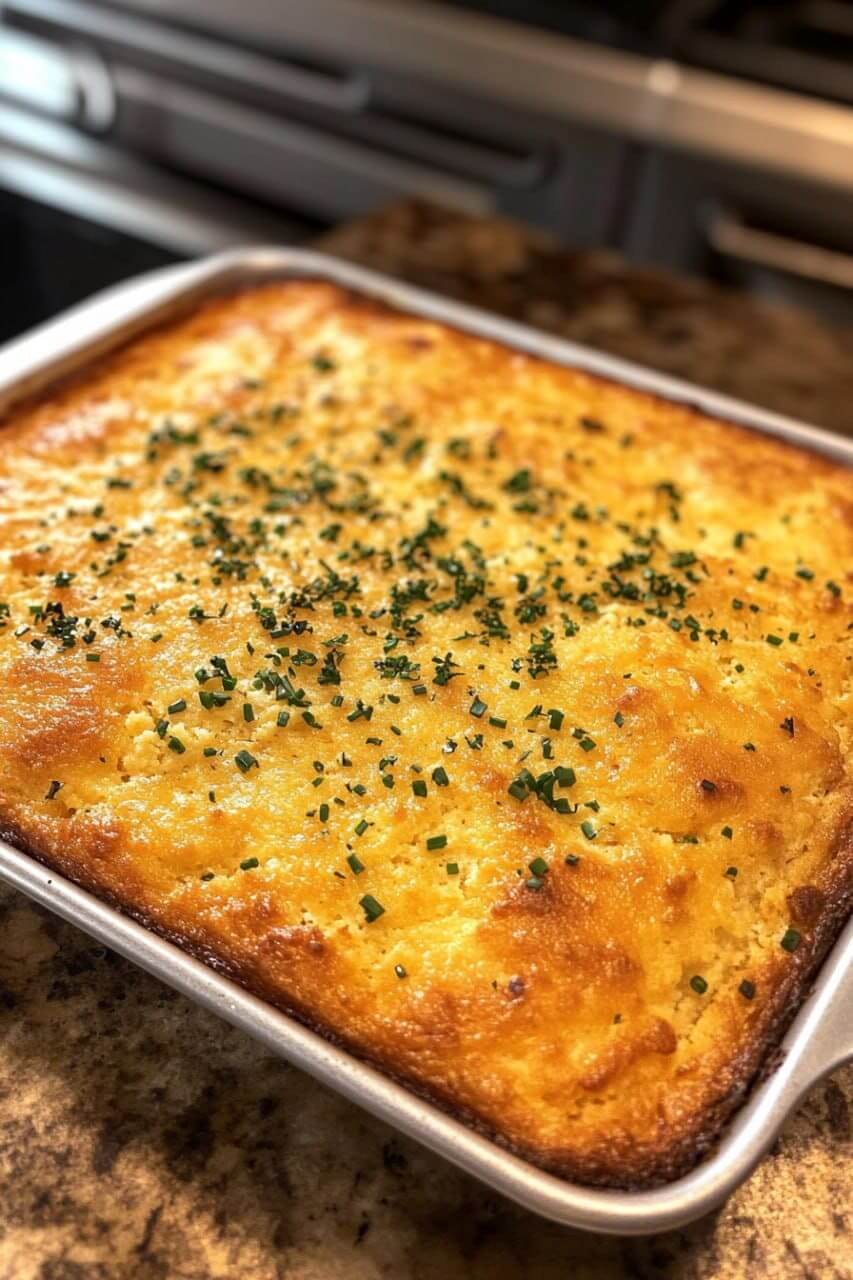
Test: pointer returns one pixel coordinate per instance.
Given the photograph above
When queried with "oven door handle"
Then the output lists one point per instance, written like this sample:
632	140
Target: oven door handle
732	238
116	32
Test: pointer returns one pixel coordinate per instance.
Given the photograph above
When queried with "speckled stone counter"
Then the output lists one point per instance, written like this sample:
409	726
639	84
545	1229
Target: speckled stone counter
141	1139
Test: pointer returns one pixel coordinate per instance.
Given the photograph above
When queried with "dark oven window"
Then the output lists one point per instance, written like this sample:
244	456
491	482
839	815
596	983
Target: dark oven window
51	259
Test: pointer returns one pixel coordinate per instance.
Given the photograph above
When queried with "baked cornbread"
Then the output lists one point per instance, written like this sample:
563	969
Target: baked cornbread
492	718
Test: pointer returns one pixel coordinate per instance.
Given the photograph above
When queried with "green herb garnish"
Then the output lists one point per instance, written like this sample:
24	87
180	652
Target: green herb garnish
371	908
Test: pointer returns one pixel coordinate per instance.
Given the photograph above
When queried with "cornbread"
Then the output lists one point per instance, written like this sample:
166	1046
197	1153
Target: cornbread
492	718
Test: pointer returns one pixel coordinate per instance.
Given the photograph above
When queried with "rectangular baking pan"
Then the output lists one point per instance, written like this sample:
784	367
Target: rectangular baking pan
819	1039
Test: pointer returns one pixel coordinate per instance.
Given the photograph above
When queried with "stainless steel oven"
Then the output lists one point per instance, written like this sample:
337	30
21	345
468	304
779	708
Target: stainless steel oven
176	128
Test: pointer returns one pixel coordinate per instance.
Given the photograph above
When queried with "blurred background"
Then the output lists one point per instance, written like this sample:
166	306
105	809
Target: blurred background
707	137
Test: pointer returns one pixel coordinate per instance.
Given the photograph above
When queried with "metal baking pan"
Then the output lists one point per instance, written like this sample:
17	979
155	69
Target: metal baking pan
820	1038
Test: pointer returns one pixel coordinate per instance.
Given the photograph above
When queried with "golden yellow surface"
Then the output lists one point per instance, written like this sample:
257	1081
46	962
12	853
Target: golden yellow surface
344	549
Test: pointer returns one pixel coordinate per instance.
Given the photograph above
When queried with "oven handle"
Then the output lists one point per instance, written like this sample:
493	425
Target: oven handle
348	93
732	238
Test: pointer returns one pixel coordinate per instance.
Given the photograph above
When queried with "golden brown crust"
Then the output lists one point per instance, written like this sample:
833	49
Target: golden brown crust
650	602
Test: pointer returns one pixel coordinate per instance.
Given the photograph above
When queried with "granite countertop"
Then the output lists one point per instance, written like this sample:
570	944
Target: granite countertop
142	1139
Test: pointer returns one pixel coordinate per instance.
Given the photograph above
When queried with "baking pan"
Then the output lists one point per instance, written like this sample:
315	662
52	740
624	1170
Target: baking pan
818	1040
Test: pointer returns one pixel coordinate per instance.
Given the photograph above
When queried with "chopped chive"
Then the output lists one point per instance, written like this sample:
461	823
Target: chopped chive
355	864
586	744
619	719
439	777
324	813
249	864
436	842
210	751
52	790
534	882
419	787
774	640
207	875
371	908
453	868
747	989
93	657
361	827
726	833
477	708
180	705
698	984
565	776
555	719
538	866
497	722
791	939
175	744
248	712
244	761
571	859
731	873
283	719
401	971
589	830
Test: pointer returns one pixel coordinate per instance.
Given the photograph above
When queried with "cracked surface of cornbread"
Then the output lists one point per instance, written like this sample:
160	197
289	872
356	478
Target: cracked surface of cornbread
493	718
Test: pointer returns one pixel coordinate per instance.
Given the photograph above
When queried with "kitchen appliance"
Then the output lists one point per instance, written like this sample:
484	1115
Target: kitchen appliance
820	1039
148	131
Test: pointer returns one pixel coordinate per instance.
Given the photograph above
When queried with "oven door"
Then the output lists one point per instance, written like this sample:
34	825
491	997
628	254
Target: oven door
78	213
775	234
51	259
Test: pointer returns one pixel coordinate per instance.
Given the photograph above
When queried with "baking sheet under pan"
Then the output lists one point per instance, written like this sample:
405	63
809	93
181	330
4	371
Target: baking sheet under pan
820	1038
